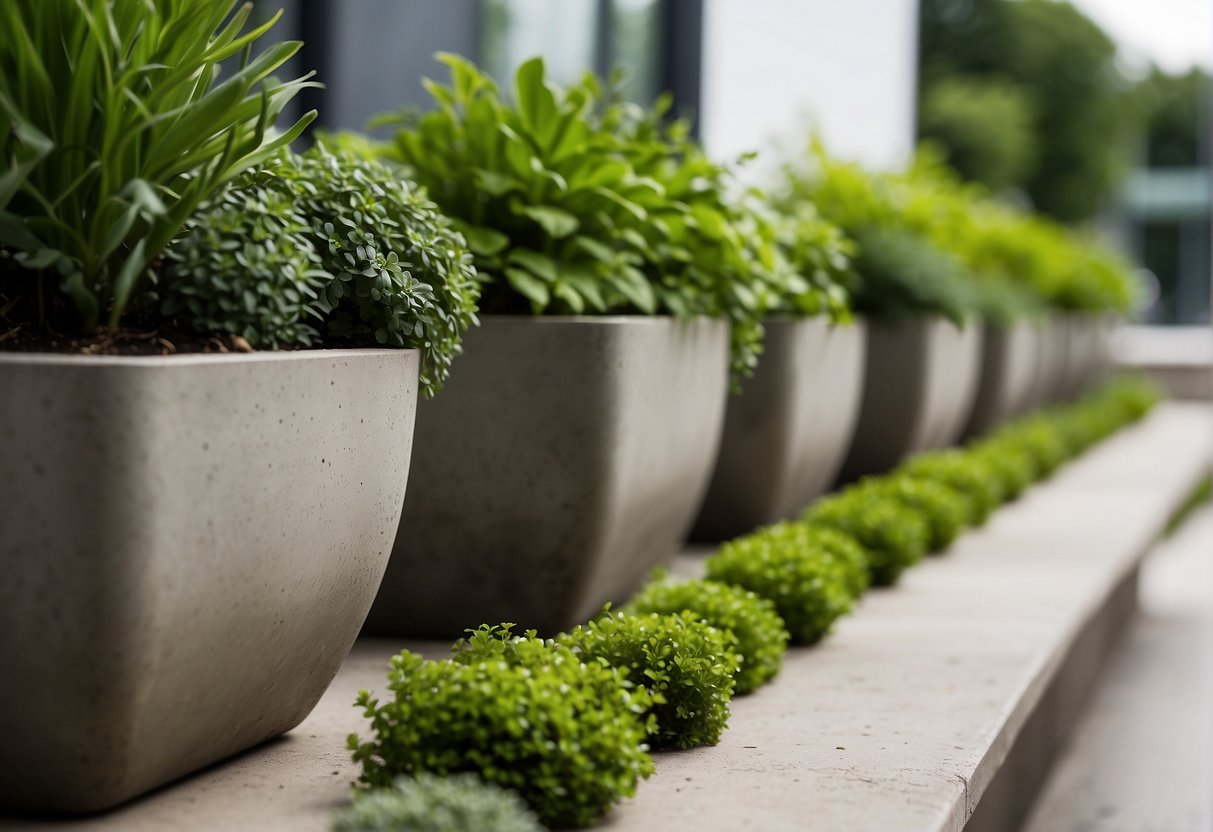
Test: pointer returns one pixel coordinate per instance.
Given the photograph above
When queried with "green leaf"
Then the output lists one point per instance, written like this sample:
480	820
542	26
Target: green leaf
556	222
530	287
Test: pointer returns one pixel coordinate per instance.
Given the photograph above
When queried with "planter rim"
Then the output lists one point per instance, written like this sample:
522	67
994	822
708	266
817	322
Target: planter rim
820	317
194	359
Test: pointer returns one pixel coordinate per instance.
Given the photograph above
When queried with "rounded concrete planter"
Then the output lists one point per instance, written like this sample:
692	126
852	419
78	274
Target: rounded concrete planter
1052	361
920	380
563	461
188	548
1010	362
786	433
1088	354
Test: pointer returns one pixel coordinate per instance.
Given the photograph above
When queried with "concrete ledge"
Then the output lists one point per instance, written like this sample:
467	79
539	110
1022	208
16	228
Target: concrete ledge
914	715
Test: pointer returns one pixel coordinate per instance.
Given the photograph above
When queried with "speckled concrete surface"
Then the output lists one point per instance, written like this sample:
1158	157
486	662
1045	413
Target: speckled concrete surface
920	380
786	433
897	722
563	461
188	548
1142	756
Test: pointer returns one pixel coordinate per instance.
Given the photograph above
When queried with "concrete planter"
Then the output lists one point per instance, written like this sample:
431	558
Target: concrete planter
785	435
1010	359
188	548
563	461
920	380
1052	361
1088	355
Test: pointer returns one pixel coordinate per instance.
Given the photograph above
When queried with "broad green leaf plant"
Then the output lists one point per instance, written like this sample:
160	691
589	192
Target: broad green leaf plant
576	204
116	121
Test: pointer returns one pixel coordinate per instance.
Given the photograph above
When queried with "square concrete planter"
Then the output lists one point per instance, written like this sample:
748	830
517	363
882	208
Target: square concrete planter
563	461
1010	359
188	548
786	433
920	380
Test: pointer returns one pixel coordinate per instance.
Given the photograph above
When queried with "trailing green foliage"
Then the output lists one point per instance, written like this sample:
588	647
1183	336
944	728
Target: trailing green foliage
325	245
116	123
944	510
812	575
892	536
522	712
753	621
1034	439
686	664
428	803
1013	470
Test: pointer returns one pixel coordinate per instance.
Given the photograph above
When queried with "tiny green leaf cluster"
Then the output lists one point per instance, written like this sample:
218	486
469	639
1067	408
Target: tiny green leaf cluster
893	536
458	803
325	245
944	510
522	712
812	575
687	665
753	621
970	476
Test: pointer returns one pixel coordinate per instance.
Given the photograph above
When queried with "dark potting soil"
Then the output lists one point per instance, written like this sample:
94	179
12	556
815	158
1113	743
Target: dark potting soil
162	340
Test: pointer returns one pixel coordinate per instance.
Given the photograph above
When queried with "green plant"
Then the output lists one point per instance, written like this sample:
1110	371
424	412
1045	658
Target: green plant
944	510
686	664
426	803
117	125
812	575
523	712
1013	470
970	477
902	275
753	621
574	205
892	536
325	240
1034	438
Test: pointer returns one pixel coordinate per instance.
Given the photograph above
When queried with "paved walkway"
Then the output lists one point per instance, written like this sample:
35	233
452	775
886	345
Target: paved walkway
1142	757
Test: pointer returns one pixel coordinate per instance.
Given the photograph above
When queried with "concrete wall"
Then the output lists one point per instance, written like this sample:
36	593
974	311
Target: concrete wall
773	70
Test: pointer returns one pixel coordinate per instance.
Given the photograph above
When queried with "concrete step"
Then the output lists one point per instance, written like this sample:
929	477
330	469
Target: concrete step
936	702
1141	759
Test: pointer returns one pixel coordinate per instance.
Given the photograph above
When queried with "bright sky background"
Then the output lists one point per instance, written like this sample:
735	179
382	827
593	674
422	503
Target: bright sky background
1175	34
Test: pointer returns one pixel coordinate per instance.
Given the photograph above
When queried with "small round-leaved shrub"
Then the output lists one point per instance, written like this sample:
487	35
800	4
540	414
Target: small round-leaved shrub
752	619
522	712
892	536
686	664
325	246
1014	471
944	510
429	803
1036	439
969	476
812	575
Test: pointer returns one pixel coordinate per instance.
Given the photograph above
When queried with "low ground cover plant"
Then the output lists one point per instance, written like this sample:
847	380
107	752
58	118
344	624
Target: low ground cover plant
892	536
688	666
324	246
522	712
761	639
972	477
429	803
812	575
944	510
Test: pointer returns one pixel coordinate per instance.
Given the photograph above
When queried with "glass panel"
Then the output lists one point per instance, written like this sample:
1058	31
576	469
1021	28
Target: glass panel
635	40
562	31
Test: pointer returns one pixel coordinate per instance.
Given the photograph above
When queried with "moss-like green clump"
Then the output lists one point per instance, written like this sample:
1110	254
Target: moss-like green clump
753	620
892	536
459	803
524	713
812	575
686	664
